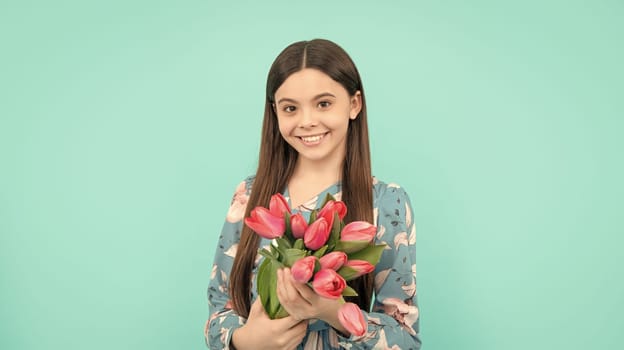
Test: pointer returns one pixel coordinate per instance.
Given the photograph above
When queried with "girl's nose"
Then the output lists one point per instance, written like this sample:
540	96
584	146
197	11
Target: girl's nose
308	118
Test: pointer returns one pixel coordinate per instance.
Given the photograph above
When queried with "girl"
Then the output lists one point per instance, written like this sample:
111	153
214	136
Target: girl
315	142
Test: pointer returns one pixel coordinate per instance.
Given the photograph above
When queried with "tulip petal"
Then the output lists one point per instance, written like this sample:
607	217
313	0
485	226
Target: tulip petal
303	269
353	269
329	284
358	231
352	319
278	205
333	260
298	225
265	224
317	234
341	208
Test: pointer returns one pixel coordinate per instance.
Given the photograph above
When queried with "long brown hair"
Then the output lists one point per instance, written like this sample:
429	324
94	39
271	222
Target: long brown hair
277	160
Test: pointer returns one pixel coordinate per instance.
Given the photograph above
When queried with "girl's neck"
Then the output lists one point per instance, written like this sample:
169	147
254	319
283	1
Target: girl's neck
308	180
317	173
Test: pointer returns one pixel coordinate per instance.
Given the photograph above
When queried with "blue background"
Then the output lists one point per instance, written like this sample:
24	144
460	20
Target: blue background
125	127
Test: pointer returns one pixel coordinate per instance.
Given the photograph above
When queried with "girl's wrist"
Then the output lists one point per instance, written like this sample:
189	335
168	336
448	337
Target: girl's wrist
336	325
331	318
235	340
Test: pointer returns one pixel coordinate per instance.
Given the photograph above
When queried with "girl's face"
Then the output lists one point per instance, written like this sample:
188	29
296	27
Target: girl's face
313	113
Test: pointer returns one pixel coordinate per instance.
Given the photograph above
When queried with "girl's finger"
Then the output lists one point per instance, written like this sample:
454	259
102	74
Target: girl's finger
290	292
306	293
281	294
257	309
286	323
297	333
302	290
282	287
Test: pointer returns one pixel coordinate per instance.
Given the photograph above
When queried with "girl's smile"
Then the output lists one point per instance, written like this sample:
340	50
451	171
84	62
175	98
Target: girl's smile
313	140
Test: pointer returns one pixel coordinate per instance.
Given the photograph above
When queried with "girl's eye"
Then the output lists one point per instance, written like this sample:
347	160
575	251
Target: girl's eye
289	109
324	104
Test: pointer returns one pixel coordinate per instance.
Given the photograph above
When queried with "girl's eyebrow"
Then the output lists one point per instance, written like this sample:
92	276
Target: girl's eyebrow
321	95
324	94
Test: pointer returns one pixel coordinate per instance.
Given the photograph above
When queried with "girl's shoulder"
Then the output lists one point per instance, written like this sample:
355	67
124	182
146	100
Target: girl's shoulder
382	189
244	187
392	205
249	180
238	205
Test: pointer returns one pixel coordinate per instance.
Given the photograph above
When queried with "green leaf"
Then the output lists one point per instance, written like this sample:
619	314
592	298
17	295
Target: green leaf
288	235
328	197
372	254
348	273
299	244
283	242
291	255
349	292
261	282
280	248
317	265
267	254
319	253
281	312
313	215
273	301
351	246
274	251
334	236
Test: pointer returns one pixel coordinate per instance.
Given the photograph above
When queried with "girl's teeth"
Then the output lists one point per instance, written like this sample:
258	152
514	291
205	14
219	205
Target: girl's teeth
312	138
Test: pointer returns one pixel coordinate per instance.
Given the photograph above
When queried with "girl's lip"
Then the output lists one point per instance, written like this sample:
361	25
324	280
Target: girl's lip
321	134
313	143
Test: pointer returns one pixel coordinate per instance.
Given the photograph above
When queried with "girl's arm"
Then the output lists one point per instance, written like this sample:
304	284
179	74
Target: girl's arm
393	324
223	319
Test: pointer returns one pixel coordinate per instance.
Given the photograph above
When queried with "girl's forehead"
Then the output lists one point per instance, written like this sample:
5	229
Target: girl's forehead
308	83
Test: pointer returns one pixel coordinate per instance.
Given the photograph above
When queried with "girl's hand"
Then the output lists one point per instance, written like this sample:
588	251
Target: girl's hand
261	332
302	303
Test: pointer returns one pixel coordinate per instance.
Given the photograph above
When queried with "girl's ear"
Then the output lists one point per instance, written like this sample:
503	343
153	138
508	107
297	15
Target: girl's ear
356	105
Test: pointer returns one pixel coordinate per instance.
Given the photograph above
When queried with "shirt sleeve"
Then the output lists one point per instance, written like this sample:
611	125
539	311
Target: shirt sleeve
394	320
223	320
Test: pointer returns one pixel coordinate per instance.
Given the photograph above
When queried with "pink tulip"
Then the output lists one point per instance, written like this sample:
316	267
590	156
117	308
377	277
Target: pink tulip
352	319
265	224
316	235
298	225
329	284
336	206
303	269
358	231
278	205
333	260
341	208
330	208
355	268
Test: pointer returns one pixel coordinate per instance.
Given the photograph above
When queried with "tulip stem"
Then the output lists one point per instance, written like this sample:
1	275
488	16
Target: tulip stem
267	254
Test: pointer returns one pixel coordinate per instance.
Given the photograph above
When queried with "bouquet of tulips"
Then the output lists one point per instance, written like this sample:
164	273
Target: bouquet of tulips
322	252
